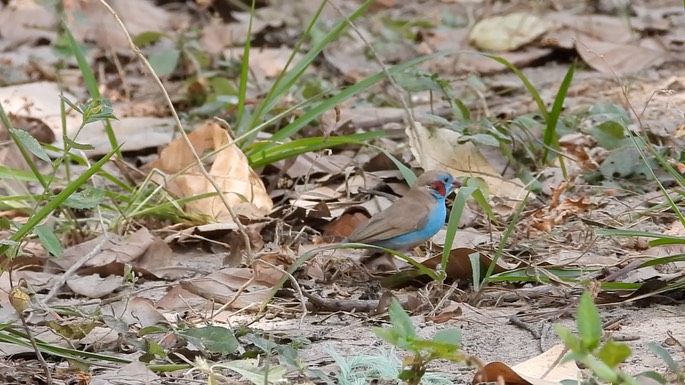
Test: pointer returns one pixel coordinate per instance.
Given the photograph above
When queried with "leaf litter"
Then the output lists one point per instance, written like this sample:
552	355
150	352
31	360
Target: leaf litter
149	274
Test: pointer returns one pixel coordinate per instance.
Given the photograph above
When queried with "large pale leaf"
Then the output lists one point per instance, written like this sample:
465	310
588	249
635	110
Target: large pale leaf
439	148
241	186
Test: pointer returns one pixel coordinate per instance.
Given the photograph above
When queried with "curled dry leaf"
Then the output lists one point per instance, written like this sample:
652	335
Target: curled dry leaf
507	33
241	186
451	312
147	253
439	148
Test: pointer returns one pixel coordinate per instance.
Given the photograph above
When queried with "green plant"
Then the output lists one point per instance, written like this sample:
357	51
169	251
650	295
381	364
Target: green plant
402	334
378	364
602	358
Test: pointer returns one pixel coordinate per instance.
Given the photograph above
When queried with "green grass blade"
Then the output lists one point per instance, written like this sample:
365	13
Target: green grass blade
294	127
505	238
453	224
529	87
301	146
91	83
245	68
659	239
550	138
11	336
406	172
287	79
53	204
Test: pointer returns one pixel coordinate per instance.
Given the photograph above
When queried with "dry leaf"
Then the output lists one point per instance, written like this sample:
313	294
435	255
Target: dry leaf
94	286
223	285
620	59
133	373
241	186
145	252
135	311
90	20
531	371
217	35
438	148
344	225
25	21
507	33
39	100
265	63
459	264
449	313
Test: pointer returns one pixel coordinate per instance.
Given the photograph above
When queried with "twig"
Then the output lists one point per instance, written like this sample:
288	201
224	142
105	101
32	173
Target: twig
72	269
516	321
295	284
18	292
179	127
235	296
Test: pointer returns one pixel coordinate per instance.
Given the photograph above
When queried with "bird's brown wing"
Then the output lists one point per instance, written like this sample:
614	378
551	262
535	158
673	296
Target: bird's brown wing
408	214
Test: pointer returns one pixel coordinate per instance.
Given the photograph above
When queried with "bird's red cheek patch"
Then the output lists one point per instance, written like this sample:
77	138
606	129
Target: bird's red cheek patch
439	187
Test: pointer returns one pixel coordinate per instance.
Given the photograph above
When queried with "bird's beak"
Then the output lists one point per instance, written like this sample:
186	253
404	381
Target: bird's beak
456	184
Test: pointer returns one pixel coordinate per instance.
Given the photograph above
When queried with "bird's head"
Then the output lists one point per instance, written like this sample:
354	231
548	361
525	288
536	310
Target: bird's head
440	183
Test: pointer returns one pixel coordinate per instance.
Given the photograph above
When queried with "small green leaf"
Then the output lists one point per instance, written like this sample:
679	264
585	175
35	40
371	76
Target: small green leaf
165	62
388	335
609	111
588	322
401	321
71	104
152	330
568	338
214	339
609	134
96	110
49	240
614	353
664	355
603	371
448	336
148	37
31	144
485	139
652	375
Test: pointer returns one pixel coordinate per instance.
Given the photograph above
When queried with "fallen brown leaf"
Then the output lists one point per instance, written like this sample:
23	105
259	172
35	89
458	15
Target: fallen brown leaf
241	186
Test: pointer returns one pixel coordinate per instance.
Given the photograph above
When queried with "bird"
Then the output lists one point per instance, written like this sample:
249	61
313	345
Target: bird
412	219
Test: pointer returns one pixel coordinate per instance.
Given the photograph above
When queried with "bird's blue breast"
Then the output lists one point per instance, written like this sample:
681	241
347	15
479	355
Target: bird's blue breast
436	218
